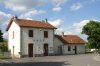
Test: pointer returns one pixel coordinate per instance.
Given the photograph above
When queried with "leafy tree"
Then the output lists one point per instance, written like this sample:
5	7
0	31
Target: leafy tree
1	37
92	29
2	46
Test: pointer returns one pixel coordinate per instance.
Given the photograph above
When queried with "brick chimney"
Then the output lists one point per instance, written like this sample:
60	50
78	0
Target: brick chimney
15	18
46	20
62	34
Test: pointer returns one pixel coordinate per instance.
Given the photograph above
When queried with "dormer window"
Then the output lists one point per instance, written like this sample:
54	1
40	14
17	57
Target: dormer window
30	33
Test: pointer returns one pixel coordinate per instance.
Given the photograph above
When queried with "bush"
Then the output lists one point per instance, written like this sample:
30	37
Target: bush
4	48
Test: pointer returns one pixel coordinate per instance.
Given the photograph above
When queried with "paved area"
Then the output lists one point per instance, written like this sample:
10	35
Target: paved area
68	60
97	57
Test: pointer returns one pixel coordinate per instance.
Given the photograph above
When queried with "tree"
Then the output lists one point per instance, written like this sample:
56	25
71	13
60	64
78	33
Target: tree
3	47
1	37
92	29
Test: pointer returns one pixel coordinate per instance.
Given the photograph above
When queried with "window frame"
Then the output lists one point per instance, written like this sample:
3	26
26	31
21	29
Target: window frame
30	33
69	48
45	34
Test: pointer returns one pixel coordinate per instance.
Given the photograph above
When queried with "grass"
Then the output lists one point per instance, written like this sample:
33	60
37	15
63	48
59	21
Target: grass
1	56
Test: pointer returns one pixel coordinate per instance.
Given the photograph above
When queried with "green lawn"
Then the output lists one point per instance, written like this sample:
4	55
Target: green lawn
1	56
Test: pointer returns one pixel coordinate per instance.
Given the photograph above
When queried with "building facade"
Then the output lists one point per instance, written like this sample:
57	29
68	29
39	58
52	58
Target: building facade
30	38
68	44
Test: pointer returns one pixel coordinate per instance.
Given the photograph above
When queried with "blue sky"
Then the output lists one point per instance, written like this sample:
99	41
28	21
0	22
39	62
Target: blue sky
69	16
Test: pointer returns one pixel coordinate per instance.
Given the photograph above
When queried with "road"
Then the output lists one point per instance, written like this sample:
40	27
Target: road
67	60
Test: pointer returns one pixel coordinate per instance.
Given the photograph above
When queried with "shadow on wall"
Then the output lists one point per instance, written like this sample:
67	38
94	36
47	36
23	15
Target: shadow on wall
36	64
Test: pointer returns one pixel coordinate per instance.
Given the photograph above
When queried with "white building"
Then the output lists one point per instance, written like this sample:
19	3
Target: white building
30	38
68	44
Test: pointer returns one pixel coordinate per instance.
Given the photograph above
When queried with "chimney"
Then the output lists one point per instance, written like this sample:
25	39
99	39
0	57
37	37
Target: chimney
62	34
14	18
46	20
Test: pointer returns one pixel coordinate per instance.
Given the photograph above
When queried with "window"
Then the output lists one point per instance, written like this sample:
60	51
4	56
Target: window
13	35
30	33
69	48
45	34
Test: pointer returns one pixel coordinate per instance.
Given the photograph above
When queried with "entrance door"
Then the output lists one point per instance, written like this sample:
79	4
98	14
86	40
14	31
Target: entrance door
60	50
75	49
30	50
45	49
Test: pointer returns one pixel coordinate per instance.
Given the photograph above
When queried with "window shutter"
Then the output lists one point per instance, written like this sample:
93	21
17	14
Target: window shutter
45	34
30	33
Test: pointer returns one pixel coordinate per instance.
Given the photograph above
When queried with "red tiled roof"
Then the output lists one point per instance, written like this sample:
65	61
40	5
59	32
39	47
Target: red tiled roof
71	39
30	23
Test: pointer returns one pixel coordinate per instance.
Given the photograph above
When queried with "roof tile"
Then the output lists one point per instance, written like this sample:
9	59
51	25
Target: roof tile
31	23
71	39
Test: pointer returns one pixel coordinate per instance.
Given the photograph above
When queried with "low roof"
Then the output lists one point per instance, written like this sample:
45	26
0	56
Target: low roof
70	39
30	23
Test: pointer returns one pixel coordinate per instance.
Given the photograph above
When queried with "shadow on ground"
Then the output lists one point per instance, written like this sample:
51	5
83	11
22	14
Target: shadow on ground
36	64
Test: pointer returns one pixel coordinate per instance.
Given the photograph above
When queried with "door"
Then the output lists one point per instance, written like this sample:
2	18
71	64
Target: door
75	49
60	50
30	50
45	49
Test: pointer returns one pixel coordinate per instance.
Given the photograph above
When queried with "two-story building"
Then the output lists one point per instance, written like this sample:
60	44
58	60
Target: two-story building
30	38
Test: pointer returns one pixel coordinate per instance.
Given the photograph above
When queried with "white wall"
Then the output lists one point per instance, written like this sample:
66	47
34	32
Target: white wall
14	41
57	43
38	40
65	49
80	49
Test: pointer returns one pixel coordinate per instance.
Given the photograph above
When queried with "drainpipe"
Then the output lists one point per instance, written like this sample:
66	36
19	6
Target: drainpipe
13	51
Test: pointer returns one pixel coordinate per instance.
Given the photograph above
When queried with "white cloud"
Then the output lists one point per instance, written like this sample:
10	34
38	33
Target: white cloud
31	13
22	5
78	26
56	22
57	4
5	35
62	29
57	9
29	18
76	6
4	17
75	29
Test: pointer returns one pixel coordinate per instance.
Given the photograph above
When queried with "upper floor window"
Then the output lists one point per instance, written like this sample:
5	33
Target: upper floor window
30	33
45	34
13	35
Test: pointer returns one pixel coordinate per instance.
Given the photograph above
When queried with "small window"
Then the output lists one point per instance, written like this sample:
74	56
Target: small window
69	48
45	34
13	35
30	33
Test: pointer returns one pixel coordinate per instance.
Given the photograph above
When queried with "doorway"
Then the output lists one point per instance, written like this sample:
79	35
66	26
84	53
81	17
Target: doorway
45	49
30	50
75	49
60	50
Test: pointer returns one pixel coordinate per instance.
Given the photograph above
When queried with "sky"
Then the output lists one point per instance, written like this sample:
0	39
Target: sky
69	16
